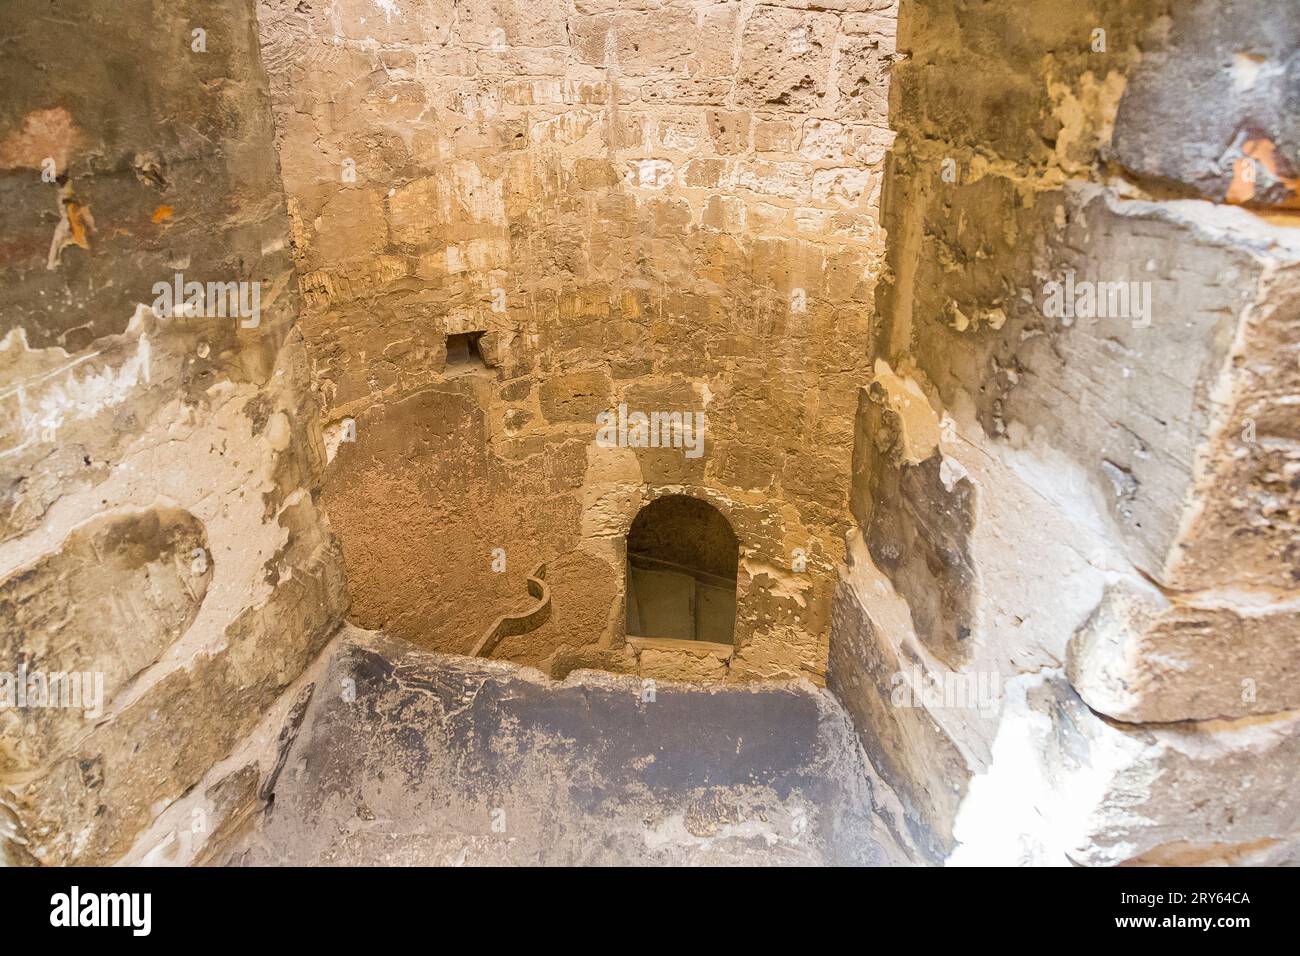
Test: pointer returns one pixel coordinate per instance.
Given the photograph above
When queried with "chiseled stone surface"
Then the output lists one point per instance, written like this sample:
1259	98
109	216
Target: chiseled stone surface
92	803
1100	792
120	591
1245	534
1113	491
158	521
1047	558
1143	657
910	750
413	757
669	205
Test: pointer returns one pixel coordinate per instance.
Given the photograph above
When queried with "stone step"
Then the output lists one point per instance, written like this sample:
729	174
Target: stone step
411	757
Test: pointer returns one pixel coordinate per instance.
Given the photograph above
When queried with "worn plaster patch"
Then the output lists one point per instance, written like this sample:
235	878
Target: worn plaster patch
44	134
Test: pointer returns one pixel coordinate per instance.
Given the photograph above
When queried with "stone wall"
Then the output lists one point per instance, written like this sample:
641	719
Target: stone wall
1094	503
668	205
159	531
1022	486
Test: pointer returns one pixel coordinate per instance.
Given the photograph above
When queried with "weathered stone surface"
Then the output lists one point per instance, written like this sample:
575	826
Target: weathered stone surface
578	397
157	517
1148	399
89	807
864	57
1215	110
1066	786
1142	657
514	217
1134	396
141	203
592	197
1146	433
916	515
428	759
118	592
497	23
906	746
785	59
412	21
1030	67
1245	532
641	42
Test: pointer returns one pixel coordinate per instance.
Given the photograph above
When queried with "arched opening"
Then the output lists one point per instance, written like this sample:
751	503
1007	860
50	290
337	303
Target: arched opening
681	572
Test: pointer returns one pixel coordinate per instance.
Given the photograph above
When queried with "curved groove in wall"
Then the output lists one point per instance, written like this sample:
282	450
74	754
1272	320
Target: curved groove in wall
511	625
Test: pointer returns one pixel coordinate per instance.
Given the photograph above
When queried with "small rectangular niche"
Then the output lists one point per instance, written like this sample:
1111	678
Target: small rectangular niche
464	352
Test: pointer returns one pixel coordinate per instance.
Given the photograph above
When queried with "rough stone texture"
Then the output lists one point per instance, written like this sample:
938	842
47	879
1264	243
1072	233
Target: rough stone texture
1225	89
1111	493
1245	534
91	804
1104	793
905	745
1050	561
1136	403
133	438
1142	657
671	207
411	757
118	593
921	529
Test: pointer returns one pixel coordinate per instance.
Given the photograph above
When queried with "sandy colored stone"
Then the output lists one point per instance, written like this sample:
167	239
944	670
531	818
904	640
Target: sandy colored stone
1142	657
157	519
590	199
118	592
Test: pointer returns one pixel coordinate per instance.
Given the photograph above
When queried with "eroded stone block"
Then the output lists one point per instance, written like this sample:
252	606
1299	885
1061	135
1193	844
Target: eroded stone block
1144	657
1066	786
475	761
89	806
120	590
1215	111
904	743
785	59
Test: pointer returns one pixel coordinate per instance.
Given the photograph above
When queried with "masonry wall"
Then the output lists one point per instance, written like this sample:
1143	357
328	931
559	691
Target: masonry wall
1085	521
1047	557
666	205
159	528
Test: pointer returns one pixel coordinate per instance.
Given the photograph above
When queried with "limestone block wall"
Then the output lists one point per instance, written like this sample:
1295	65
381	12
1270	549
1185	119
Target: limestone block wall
165	573
1077	475
666	205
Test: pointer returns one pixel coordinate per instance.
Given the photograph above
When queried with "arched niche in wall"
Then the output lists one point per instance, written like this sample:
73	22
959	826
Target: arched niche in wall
682	557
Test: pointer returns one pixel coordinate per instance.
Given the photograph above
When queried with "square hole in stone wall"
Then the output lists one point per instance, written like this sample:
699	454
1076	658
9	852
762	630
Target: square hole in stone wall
464	352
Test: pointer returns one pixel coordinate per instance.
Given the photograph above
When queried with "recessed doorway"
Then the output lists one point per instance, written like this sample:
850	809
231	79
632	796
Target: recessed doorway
682	558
